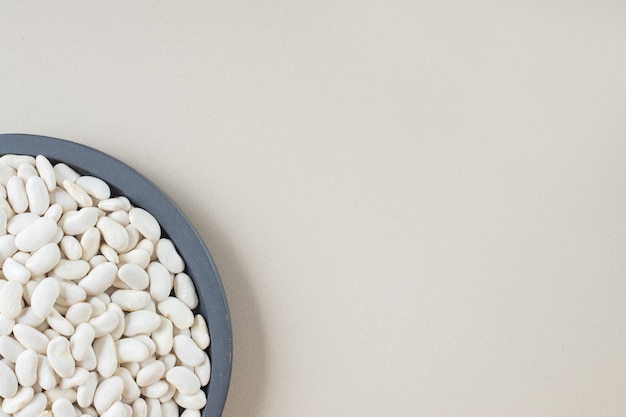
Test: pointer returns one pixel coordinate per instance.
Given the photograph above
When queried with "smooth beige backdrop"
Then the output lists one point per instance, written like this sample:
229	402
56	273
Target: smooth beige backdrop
418	208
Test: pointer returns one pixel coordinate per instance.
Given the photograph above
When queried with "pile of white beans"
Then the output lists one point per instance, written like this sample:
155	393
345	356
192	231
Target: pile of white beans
95	307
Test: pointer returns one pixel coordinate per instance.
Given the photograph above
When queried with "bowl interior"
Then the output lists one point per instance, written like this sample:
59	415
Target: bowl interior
126	181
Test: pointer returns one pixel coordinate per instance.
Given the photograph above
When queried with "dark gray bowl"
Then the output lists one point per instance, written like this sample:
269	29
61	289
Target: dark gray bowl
124	180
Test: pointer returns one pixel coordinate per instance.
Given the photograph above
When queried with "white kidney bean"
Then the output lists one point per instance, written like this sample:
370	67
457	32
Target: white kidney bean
78	222
36	234
78	194
15	271
131	350
71	248
134	276
86	391
108	391
34	408
45	296
14	404
177	311
26	368
95	187
16	194
131	300
160	281
37	194
62	407
113	233
25	171
60	357
44	259
104	348
163	336
141	322
203	371
31	338
80	377
105	323
99	279
72	270
8	381
187	351
200	332
81	341
145	223
150	374
46	378
183	379
78	313
46	172
140	408
168	256
194	402
185	290
11	299
59	323
190	413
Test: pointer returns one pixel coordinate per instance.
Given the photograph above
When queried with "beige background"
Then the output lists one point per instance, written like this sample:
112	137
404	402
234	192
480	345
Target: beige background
417	208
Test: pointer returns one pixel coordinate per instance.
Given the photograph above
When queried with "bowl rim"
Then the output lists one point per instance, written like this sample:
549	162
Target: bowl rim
198	260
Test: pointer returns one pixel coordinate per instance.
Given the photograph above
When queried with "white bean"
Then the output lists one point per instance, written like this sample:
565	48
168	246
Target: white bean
71	270
78	313
78	194
60	357
185	290
194	402
81	341
141	322
37	194
86	391
187	351
177	311
183	379
113	233
160	281
71	248
26	368
90	243
167	255
200	332
150	374
145	223
64	172
134	276
80	377
45	296
203	371
16	193
31	338
46	172
33	408
36	234
78	222
44	259
99	279
62	407
11	299
104	348
46	378
109	391
15	271
95	187
130	300
8	381
14	404
131	350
